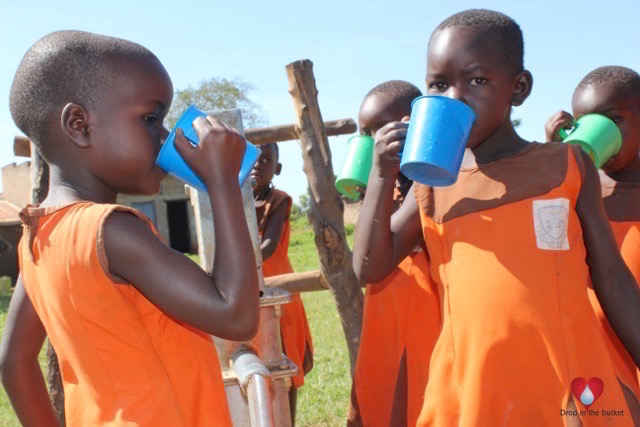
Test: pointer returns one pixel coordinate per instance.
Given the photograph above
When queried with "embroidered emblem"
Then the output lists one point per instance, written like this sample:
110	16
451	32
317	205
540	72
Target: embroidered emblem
550	221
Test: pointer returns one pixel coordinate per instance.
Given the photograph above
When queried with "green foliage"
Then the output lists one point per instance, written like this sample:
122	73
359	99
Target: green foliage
304	202
218	94
296	212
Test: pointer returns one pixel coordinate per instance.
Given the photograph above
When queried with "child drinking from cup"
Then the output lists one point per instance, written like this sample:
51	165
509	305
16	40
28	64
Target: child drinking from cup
130	319
614	92
512	244
273	207
401	319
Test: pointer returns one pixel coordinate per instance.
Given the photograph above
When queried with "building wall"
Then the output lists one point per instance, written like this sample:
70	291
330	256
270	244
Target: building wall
170	190
16	184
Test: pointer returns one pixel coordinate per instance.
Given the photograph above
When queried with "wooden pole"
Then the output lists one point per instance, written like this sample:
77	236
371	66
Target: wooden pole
21	146
326	209
309	281
260	136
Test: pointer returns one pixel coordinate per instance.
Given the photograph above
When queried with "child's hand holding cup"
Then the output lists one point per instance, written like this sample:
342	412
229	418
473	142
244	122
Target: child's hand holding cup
214	150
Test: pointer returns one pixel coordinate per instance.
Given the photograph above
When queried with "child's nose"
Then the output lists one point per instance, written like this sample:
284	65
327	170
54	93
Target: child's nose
164	134
455	93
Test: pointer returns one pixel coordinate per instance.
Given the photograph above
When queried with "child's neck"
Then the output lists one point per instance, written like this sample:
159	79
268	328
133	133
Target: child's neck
503	143
630	174
63	191
261	193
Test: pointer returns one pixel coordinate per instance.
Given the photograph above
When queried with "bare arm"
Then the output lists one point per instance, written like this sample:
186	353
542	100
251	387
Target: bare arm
226	304
21	374
273	230
613	283
382	241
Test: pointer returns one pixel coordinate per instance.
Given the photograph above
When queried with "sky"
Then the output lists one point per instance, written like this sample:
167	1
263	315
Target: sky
354	46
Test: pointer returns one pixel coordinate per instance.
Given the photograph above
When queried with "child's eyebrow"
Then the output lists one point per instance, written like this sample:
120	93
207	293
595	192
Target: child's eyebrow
435	75
159	104
475	68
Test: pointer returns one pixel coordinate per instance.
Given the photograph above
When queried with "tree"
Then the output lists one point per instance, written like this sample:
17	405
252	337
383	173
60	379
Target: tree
304	202
218	94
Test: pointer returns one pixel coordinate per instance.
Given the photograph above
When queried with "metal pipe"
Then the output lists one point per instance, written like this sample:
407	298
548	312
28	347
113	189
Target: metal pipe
259	395
255	380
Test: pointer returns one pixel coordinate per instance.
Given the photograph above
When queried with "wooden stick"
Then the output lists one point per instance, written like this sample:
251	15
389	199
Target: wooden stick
326	210
21	146
260	136
309	281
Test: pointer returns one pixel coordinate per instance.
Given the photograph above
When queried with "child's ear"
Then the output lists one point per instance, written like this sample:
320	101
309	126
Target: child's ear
74	122
278	168
522	89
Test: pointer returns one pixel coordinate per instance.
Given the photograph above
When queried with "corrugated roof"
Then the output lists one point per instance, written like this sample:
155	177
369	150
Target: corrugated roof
9	213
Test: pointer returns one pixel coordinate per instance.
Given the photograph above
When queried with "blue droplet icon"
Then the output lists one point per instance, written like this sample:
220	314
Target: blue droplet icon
587	396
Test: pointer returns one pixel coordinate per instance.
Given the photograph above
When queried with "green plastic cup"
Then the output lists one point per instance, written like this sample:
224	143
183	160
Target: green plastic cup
356	168
598	135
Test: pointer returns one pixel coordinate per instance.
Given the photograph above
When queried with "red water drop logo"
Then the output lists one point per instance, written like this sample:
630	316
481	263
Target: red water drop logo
587	392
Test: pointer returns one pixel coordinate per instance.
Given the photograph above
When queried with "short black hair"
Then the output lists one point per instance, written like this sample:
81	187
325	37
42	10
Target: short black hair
615	76
505	29
402	92
64	67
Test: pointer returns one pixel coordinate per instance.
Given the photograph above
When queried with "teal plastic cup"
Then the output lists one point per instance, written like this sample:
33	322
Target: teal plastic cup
356	168
437	136
170	161
598	136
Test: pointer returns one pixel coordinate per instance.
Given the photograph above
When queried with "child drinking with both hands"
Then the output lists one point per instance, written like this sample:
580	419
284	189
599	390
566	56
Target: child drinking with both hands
512	245
273	207
614	92
129	317
401	319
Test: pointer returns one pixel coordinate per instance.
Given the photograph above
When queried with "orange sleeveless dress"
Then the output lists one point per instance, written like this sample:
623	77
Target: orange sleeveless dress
507	251
622	204
122	360
401	317
296	336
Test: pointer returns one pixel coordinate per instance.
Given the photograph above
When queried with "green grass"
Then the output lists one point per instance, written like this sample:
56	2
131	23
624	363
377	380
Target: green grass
323	400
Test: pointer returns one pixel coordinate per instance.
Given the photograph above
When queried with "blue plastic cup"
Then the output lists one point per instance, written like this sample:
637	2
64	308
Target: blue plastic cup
170	161
437	136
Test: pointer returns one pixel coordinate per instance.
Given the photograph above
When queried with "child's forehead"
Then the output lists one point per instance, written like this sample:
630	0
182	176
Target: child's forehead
379	111
268	150
599	97
143	80
465	45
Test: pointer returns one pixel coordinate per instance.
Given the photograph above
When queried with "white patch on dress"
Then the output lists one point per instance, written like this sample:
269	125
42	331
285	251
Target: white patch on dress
550	221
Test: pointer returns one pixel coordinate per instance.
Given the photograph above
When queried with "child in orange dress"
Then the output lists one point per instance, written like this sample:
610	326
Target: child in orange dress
401	319
512	245
614	92
272	209
129	318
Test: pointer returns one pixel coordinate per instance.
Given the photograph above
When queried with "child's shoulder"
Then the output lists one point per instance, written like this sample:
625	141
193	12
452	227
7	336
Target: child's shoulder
621	199
276	194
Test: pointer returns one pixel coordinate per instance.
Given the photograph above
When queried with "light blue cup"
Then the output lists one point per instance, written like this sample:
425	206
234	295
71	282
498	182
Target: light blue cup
437	136
170	161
